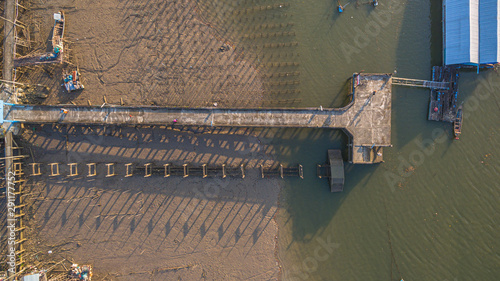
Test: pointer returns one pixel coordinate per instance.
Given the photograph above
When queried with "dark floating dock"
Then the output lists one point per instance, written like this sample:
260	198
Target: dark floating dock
443	102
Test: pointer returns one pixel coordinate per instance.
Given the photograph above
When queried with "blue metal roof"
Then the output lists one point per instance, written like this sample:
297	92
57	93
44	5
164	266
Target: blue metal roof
461	31
489	31
471	32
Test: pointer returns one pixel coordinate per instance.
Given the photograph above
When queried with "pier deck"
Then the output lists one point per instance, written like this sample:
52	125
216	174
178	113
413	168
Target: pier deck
367	119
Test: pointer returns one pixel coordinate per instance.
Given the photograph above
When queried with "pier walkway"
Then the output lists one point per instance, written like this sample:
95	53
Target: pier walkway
367	119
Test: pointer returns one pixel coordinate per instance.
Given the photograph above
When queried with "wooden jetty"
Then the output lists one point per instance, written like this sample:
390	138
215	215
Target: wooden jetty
334	170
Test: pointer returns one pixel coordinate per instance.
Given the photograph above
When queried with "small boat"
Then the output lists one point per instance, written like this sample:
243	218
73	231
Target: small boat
457	124
58	34
339	7
72	81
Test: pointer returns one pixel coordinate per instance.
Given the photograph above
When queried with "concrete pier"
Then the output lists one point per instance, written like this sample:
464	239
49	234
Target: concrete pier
367	119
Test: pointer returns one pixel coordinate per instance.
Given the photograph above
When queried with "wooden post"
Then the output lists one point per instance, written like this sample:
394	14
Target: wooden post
18	169
129	170
205	171
92	170
73	169
54	169
147	170
35	169
167	170
111	170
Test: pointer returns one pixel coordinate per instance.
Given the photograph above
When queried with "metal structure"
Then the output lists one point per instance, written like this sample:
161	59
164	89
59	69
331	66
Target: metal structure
334	170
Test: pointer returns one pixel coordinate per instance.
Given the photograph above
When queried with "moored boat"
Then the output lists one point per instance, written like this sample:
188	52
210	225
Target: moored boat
58	34
457	124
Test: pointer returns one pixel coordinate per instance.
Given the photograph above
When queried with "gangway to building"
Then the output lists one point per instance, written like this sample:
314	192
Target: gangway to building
421	83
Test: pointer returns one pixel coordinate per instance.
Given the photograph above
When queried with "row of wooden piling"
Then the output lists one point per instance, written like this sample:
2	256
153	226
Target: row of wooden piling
167	170
268	34
261	8
282	171
273	25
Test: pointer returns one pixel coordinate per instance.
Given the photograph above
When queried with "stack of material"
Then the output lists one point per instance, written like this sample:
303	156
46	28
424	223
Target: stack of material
83	272
72	81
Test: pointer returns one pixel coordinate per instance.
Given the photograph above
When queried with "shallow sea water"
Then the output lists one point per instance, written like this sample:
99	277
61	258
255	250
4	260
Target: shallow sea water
431	211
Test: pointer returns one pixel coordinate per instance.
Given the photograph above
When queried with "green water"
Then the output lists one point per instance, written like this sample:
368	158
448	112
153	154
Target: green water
436	199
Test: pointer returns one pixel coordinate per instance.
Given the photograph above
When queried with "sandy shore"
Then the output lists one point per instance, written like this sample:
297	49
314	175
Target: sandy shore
156	228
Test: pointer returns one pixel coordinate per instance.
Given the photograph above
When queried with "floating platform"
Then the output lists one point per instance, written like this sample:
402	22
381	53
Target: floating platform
443	102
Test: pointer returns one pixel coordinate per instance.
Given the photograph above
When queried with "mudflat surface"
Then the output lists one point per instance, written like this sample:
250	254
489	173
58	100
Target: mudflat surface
143	52
155	228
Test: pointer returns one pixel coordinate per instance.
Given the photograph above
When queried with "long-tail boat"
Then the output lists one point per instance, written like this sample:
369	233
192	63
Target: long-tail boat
58	34
457	124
